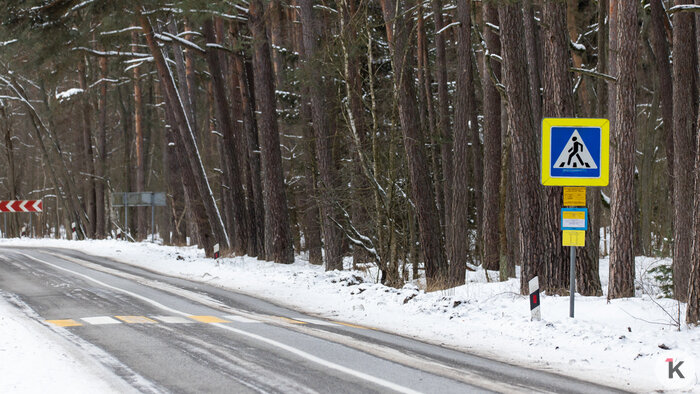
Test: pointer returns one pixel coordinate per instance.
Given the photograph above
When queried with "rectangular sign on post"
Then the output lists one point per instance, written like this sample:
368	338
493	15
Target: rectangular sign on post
574	196
139	199
574	219
575	152
573	238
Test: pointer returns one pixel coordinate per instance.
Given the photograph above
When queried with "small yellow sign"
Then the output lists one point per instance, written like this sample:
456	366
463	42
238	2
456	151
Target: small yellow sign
573	238
574	196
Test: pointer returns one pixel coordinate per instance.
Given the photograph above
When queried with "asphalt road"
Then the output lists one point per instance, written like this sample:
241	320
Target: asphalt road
163	334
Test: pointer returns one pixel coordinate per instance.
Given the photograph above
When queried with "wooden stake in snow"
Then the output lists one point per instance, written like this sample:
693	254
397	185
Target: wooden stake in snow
216	251
534	286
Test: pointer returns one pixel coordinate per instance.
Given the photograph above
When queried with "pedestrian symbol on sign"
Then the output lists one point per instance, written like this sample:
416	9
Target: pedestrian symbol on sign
575	154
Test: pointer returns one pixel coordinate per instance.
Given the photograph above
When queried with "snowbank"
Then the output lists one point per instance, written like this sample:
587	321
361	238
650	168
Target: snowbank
619	343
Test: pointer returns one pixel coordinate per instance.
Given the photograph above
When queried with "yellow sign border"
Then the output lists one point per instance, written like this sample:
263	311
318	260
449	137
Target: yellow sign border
547	124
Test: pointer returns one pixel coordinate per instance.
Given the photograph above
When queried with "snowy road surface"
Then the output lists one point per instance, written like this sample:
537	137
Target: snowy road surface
163	334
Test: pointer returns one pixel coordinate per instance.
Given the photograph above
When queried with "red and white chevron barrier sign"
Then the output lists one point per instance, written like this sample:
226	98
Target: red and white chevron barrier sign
21	206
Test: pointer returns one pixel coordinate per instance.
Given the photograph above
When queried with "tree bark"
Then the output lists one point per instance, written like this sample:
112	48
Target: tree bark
524	141
324	138
459	200
176	109
558	103
88	154
101	157
443	117
278	237
398	28
230	142
683	130
492	144
622	212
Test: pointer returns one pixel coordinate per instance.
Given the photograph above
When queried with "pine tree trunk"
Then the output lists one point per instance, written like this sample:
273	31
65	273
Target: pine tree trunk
622	212
88	156
683	130
464	106
492	144
319	98
250	138
175	108
398	28
692	314
558	103
232	171
278	237
443	119
524	142
101	157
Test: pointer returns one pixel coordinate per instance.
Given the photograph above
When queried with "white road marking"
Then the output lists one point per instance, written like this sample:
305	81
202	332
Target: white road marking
173	319
99	320
319	322
272	342
241	319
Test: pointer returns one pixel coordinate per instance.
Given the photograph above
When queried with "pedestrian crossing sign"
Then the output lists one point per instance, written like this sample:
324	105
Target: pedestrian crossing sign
575	152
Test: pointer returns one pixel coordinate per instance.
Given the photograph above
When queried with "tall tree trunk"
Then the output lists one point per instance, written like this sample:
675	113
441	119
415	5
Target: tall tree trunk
692	315
558	103
398	28
524	141
683	130
250	131
324	138
101	157
459	200
232	170
139	170
88	156
278	237
175	108
622	212
443	117
532	45
492	144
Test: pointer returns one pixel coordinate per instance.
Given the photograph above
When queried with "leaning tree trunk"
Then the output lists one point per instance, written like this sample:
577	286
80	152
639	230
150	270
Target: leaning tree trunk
622	212
175	108
399	27
683	130
278	235
524	142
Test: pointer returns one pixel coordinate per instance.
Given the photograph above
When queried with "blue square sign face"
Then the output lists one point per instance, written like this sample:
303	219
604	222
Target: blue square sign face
575	152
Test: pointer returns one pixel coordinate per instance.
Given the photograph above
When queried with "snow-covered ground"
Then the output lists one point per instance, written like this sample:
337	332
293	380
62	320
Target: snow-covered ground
623	343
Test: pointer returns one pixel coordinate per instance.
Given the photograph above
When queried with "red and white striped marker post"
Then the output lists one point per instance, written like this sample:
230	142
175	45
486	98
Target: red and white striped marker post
216	251
119	233
534	287
74	231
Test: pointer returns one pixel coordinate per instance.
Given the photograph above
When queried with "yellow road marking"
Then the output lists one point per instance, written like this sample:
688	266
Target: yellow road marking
65	323
208	319
352	325
136	319
288	320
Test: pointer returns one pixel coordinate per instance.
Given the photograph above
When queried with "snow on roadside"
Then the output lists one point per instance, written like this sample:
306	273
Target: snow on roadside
33	359
618	343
